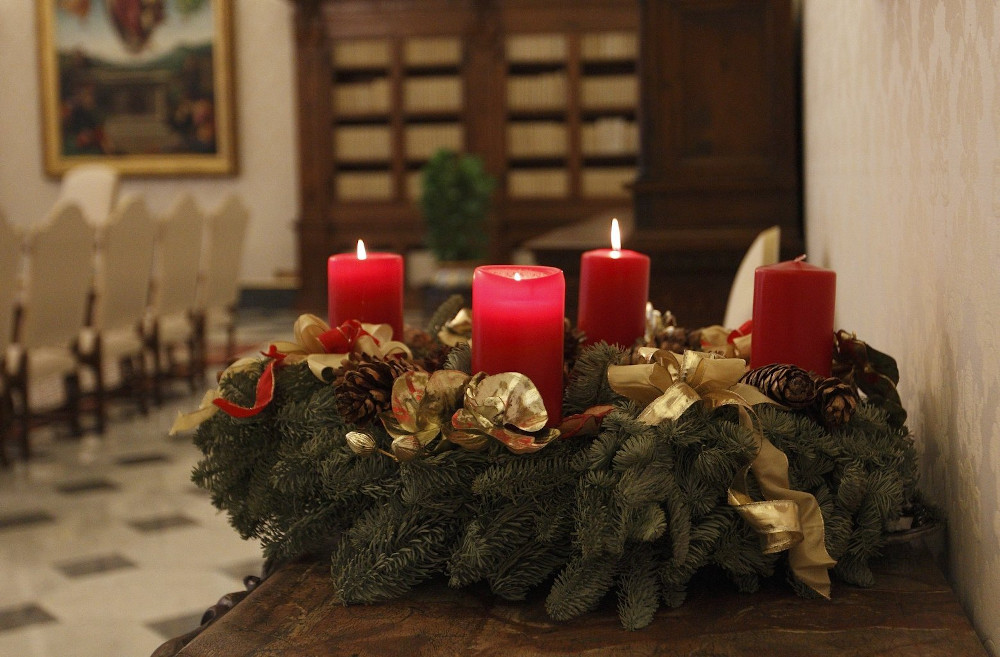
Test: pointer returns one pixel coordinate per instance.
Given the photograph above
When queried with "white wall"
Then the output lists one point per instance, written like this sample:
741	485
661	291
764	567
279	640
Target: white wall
265	94
902	138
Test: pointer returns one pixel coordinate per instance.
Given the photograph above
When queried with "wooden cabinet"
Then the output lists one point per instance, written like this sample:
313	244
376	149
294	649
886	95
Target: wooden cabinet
545	91
683	110
720	144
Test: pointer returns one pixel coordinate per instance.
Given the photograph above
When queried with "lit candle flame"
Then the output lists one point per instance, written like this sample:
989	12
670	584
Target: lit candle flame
616	239
517	276
362	254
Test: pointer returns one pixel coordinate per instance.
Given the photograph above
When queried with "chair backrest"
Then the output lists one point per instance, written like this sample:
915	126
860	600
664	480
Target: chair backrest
93	187
60	273
11	250
177	256
125	265
763	251
225	236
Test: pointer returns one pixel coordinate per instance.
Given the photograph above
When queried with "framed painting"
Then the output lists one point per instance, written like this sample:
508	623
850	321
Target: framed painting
143	85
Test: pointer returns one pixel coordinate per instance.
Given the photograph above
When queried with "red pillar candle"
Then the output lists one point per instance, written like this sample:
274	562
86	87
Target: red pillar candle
614	289
793	306
517	326
367	287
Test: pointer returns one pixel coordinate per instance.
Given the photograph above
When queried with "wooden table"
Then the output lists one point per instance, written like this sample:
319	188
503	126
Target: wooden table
910	611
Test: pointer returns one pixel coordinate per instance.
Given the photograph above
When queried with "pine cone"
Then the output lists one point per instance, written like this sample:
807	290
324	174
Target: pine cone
836	401
364	386
786	384
428	352
671	338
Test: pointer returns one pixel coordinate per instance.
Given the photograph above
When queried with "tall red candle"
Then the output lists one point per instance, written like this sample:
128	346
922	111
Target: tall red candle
367	287
517	326
614	289
793	307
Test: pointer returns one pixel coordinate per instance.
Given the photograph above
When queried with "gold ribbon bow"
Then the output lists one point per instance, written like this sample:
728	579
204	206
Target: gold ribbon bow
668	384
457	329
309	332
374	340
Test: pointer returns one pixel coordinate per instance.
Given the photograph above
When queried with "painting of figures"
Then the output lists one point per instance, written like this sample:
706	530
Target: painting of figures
143	85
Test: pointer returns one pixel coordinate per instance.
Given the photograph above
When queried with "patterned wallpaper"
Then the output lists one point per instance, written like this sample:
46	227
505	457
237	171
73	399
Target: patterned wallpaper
902	159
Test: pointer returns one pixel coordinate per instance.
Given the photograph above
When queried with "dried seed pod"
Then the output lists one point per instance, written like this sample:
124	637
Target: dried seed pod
362	444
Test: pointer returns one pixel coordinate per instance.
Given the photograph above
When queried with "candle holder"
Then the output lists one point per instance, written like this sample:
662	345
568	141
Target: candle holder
414	464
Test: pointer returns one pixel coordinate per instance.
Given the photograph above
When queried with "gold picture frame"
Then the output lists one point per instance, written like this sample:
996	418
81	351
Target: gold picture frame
143	85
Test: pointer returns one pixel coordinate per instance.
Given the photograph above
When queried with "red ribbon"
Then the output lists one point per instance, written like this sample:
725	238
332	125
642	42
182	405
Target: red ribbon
335	341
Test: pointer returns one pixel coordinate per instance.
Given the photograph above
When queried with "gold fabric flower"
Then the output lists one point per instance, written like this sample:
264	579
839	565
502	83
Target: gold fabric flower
506	407
422	405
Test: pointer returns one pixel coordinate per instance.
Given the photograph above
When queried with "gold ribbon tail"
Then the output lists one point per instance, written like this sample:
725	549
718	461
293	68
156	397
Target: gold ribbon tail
787	519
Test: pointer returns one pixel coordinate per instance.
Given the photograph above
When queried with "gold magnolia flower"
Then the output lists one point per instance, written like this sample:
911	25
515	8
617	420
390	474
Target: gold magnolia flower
506	407
422	406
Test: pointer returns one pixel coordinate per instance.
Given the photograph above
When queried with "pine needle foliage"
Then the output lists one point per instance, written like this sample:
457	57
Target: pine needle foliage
636	509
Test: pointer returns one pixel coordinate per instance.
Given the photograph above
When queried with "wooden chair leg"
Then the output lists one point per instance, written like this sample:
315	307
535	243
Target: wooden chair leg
22	420
20	407
71	384
94	362
133	371
6	424
199	349
156	376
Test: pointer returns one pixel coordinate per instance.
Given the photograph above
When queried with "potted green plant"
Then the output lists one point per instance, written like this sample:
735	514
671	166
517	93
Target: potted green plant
455	202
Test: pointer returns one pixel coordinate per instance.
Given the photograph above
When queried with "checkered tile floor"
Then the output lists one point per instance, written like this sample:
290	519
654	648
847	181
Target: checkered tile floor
106	547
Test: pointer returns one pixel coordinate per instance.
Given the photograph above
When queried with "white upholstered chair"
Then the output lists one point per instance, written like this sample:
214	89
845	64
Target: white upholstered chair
42	360
93	187
113	344
764	250
218	290
170	324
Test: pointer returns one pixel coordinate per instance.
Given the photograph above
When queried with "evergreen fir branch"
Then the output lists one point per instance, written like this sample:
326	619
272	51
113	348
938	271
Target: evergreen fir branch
459	358
640	446
599	529
532	476
738	552
852	569
647	523
639	486
853	486
525	568
448	474
679	521
588	382
638	590
445	313
580	586
488	540
406	547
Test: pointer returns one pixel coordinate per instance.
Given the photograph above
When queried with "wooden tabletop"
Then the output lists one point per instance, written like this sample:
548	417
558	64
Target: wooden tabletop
910	611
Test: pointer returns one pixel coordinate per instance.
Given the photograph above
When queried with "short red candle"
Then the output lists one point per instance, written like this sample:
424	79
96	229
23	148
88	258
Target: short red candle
517	326
366	287
793	307
614	289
